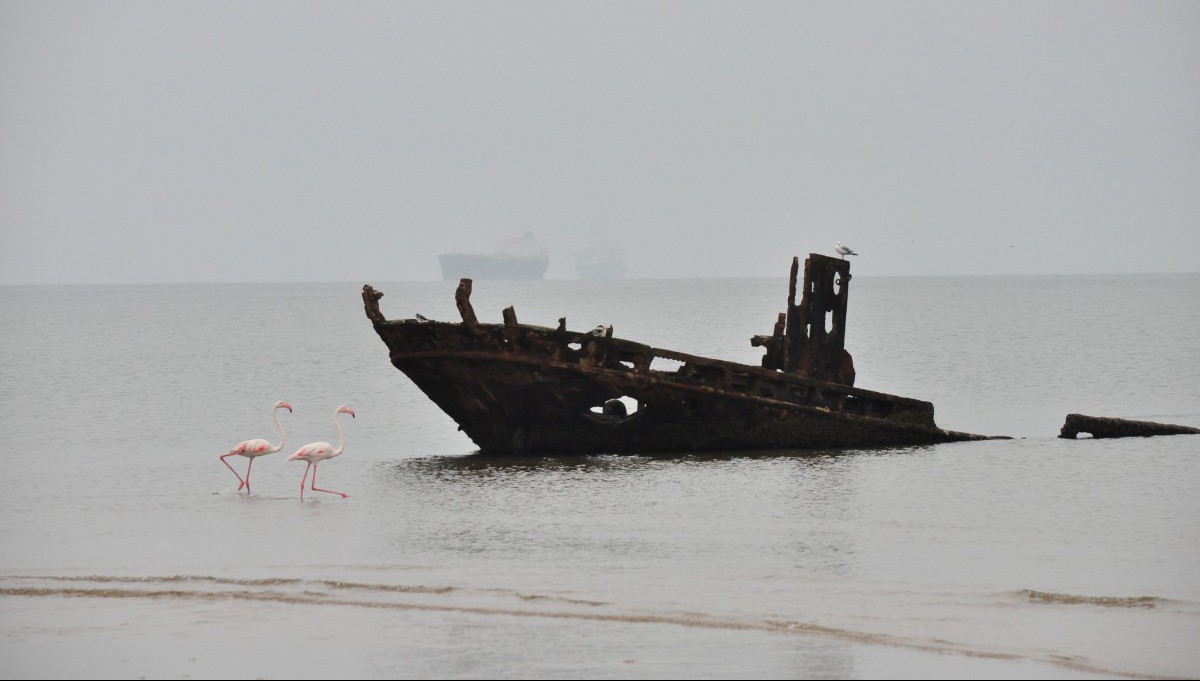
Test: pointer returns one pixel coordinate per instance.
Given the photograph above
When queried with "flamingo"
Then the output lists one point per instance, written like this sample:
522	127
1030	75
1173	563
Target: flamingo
317	452
844	250
257	447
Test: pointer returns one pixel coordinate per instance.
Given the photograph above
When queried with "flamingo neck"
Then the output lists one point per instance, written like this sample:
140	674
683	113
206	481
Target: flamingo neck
341	437
279	425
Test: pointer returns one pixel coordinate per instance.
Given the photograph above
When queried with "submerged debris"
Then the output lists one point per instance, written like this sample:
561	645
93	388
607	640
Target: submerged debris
1104	427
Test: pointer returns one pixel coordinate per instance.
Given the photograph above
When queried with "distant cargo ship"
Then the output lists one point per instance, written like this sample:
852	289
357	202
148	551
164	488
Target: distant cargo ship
521	258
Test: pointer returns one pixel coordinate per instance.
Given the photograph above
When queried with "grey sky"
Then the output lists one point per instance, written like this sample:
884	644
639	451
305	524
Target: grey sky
302	141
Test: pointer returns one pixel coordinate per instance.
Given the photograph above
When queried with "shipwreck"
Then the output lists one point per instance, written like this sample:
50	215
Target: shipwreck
523	389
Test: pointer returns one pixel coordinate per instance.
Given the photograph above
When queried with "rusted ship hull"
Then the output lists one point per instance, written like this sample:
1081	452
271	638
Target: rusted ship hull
516	388
517	403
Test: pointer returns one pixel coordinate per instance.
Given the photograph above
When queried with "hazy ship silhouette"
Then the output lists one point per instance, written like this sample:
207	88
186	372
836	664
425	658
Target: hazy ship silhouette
523	257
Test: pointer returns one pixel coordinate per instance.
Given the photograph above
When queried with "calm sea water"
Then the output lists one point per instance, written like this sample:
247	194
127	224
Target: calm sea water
125	549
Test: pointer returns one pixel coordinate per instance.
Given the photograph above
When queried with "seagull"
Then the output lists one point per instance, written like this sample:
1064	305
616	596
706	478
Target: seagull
844	250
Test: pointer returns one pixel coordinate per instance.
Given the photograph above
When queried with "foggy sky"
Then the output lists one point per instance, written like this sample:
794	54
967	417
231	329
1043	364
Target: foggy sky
354	141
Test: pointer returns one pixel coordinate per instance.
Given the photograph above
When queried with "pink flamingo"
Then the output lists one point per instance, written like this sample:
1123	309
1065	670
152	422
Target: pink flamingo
317	452
257	447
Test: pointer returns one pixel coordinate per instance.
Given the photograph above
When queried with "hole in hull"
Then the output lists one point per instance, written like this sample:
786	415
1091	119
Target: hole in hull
619	407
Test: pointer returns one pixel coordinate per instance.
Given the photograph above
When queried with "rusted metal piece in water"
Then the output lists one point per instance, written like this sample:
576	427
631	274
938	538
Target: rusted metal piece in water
1107	427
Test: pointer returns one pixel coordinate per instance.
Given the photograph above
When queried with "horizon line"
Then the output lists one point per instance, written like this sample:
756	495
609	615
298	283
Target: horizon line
578	279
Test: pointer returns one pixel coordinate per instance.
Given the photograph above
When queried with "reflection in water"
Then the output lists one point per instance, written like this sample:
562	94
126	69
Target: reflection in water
709	517
478	461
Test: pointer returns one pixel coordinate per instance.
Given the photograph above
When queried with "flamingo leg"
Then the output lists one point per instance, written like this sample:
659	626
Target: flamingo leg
318	489
305	479
243	482
248	466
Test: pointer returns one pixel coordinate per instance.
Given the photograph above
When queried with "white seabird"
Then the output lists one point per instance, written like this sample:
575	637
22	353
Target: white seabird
844	250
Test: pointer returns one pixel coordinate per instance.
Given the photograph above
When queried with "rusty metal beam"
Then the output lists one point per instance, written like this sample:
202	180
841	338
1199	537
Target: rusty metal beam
1106	427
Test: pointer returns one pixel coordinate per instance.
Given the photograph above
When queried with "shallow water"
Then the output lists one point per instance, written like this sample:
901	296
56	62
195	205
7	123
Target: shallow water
127	550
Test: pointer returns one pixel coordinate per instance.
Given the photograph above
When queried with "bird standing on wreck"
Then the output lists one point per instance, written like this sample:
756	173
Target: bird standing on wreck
257	447
317	452
844	250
